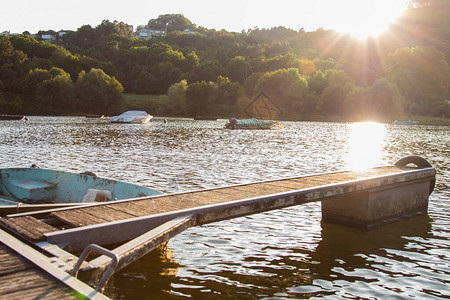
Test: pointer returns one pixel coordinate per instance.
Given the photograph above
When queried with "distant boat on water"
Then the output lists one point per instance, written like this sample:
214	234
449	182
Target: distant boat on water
409	122
132	116
13	117
204	118
251	124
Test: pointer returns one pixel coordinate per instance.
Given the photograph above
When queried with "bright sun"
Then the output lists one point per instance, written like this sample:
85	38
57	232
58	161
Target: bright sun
364	18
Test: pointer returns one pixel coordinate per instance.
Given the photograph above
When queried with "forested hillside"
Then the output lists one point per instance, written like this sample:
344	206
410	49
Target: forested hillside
209	72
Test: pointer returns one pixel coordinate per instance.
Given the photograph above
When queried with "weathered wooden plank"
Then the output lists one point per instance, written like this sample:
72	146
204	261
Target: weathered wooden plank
107	213
32	283
267	188
205	197
137	208
77	217
286	184
236	193
49	292
27	227
11	263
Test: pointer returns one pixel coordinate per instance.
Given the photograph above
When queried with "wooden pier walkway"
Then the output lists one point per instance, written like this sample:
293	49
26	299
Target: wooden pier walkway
35	227
142	224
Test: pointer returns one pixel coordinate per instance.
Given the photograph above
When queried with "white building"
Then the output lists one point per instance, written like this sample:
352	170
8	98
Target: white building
147	34
48	38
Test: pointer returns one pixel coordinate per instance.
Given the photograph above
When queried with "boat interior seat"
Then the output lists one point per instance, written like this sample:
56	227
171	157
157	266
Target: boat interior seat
31	190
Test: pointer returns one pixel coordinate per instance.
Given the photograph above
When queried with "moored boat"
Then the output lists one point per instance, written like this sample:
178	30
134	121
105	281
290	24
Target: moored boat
251	124
26	189
13	117
409	122
132	116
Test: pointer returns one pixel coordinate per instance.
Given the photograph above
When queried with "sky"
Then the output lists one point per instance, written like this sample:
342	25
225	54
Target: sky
357	17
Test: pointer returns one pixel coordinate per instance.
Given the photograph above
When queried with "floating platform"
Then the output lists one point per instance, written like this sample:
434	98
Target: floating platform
364	199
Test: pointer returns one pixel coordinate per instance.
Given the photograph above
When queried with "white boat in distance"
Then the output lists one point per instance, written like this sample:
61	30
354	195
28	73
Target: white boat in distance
132	116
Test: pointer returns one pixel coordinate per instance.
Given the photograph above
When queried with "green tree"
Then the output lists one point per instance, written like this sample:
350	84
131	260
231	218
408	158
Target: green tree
191	61
48	91
177	97
121	29
98	93
250	89
33	79
285	86
306	66
145	83
206	71
421	74
171	22
278	62
11	66
238	69
55	96
324	65
32	47
384	100
200	96
227	92
333	97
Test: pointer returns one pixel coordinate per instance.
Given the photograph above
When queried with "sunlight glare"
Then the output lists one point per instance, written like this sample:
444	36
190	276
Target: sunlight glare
365	145
365	18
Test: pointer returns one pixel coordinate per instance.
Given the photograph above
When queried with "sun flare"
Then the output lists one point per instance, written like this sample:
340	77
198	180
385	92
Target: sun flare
365	18
365	145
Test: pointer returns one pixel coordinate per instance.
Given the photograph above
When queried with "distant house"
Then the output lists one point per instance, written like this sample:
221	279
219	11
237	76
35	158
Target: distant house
147	34
48	38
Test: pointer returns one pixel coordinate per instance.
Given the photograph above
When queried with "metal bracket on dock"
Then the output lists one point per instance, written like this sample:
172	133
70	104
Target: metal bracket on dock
109	271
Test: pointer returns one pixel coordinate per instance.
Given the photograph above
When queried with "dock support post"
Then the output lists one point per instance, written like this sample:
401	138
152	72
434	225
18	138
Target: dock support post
377	206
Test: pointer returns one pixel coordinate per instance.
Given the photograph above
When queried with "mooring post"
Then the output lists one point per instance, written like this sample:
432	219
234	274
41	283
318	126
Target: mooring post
408	196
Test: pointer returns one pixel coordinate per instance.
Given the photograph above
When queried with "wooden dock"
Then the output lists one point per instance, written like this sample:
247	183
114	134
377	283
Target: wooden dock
34	277
140	225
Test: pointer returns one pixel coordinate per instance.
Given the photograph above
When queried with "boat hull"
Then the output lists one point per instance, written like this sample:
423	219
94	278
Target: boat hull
132	117
35	186
251	124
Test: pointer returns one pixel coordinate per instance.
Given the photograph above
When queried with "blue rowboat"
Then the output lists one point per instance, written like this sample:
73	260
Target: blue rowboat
29	189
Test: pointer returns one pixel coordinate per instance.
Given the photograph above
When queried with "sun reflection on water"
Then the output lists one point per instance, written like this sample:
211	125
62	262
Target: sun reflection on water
365	145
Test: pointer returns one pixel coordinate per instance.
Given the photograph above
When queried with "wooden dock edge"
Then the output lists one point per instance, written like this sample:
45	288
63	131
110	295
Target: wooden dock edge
127	229
41	213
43	263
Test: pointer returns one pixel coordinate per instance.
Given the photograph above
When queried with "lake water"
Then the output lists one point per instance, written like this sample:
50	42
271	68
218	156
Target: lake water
281	254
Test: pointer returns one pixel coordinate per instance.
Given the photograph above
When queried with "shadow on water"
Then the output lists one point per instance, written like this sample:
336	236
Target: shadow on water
344	244
343	256
346	255
149	277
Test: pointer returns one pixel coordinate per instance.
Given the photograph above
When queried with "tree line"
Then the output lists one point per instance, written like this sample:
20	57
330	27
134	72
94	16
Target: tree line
319	73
